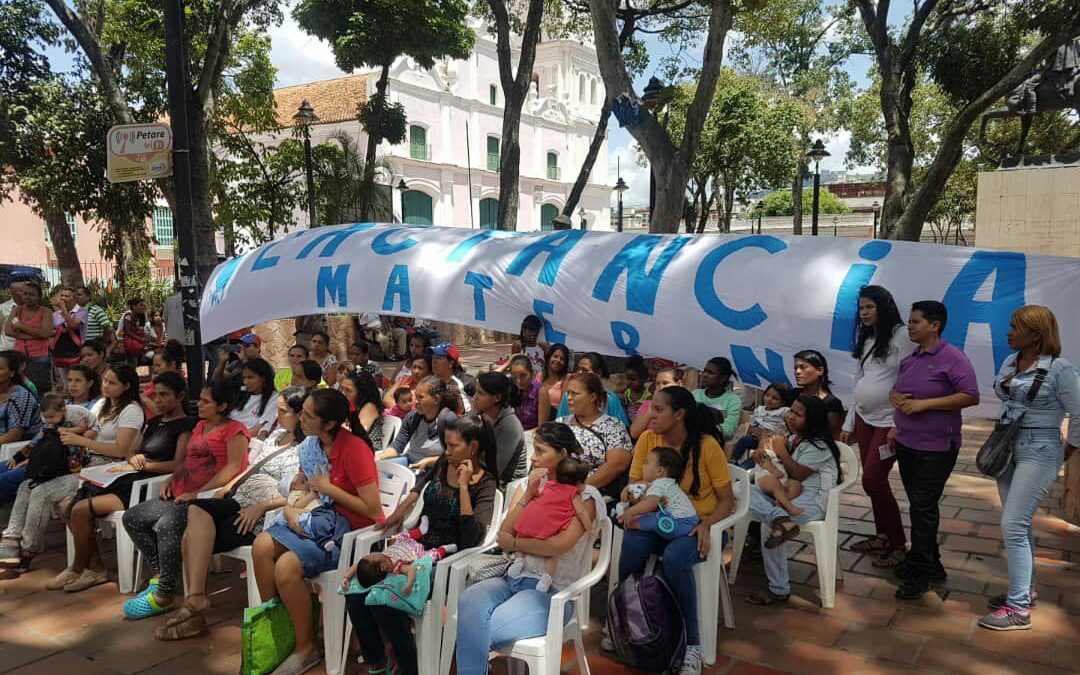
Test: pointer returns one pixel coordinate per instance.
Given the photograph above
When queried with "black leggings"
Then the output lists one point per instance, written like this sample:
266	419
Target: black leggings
375	624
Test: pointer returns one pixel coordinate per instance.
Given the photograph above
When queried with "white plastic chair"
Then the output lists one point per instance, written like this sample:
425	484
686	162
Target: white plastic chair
825	532
128	558
391	424
543	655
710	576
8	450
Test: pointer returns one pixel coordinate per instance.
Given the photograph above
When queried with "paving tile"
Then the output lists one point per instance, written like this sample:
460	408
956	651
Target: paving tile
747	668
955	526
63	662
980	516
806	657
1035	646
821	630
956	542
959	659
15	655
887	644
865	611
949	626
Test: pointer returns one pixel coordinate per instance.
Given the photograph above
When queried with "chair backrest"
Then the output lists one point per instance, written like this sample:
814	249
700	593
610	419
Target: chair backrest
530	448
395	481
740	485
391	424
849	461
512	489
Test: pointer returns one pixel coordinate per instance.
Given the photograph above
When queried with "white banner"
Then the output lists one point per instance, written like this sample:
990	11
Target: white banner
756	299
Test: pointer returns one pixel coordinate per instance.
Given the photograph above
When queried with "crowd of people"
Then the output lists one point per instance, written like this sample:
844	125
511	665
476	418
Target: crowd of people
632	446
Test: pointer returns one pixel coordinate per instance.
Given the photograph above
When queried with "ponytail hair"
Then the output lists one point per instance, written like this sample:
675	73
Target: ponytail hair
332	406
817	431
475	427
700	420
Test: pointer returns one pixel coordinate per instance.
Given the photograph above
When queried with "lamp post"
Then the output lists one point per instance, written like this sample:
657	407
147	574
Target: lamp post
582	213
620	187
760	213
877	210
654	99
305	117
402	186
816	154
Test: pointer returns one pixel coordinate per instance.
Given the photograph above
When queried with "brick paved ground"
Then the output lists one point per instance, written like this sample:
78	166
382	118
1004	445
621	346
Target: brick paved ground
868	631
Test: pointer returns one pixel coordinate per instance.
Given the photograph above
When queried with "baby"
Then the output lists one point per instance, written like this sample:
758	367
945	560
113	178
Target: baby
403	402
56	415
659	505
297	489
767	419
772	479
551	512
397	558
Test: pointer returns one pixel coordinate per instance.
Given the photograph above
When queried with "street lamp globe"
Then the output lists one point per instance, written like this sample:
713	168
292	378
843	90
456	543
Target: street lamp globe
817	151
402	185
306	116
620	185
653	96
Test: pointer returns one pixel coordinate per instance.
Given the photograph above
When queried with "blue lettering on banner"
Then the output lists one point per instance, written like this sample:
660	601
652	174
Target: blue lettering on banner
333	240
846	311
332	281
480	283
264	260
1010	274
383	246
459	252
556	245
705	290
542	308
626	337
641	285
398	286
750	368
224	276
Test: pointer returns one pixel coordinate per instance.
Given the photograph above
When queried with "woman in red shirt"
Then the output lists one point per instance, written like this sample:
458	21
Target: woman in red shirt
216	453
284	556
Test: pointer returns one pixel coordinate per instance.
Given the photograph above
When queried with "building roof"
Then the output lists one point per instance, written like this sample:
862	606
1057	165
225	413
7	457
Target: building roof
336	100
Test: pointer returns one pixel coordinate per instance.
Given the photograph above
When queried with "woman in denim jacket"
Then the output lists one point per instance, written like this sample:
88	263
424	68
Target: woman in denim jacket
1038	454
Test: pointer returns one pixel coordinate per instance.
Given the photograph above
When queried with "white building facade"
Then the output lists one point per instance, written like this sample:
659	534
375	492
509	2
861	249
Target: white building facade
454	112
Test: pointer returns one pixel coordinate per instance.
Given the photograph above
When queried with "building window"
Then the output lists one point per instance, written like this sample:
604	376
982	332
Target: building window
492	153
581	88
69	218
489	214
493	94
552	166
418	145
592	93
163	226
416	208
548	213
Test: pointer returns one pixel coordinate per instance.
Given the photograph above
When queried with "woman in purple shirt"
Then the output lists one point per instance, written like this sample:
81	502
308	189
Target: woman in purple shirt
934	384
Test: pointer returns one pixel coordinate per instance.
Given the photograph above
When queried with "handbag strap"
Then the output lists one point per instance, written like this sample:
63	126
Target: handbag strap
1040	377
254	469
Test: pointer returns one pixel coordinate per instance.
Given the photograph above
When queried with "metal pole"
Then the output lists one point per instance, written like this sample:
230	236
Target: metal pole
817	188
619	224
468	160
183	218
310	177
875	223
759	222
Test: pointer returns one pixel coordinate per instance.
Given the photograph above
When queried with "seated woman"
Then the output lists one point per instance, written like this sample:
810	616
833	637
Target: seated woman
419	442
167	359
364	399
552	379
20	420
164	438
498	611
717	392
593	363
283	559
83	386
257	405
681	423
815	462
605	445
216	452
459	500
812	379
492	392
525	394
283	376
234	517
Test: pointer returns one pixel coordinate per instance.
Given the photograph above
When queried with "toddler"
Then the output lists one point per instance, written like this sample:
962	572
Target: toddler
659	505
403	402
772	479
551	512
767	419
397	558
297	489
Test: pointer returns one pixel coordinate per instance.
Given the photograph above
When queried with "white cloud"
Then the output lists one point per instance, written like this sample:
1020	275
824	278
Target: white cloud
637	177
300	57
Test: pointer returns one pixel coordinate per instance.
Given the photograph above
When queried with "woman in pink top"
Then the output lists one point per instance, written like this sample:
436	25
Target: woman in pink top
665	377
31	325
552	380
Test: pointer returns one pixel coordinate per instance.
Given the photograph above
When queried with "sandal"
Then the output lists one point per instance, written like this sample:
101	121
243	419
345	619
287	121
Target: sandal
785	533
890	559
186	612
766	597
193	626
877	543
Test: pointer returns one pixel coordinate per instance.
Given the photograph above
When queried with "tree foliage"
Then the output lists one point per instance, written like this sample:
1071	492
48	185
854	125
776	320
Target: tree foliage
780	204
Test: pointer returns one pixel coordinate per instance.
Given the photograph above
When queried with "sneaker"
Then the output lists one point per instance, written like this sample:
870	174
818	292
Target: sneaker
998	601
606	643
516	568
691	663
543	584
297	664
1007	618
60	580
10	555
88	579
912	589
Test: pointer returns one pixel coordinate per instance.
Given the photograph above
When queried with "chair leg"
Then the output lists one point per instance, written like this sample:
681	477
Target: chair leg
449	641
737	544
825	552
334	623
70	547
613	566
583	609
582	657
725	599
708	582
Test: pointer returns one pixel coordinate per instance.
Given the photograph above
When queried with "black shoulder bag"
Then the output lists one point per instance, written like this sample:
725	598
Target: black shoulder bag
996	453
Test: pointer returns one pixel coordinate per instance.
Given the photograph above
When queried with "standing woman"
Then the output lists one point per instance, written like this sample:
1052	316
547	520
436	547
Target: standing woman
256	408
320	353
492	400
20	420
812	379
718	393
419	442
1038	453
605	444
283	559
935	383
552	380
880	343
525	394
363	395
133	334
682	423
164	438
31	325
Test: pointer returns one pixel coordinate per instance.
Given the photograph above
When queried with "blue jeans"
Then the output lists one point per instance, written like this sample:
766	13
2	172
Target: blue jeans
497	612
765	511
743	446
678	558
1037	458
10	480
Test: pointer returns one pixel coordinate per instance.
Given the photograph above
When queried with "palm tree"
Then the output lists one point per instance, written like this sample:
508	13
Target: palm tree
341	186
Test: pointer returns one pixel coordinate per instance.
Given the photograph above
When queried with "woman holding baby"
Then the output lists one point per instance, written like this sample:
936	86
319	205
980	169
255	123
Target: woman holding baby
504	609
459	501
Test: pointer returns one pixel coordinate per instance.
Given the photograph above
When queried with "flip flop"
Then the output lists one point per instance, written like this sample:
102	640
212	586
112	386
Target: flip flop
871	544
773	541
766	597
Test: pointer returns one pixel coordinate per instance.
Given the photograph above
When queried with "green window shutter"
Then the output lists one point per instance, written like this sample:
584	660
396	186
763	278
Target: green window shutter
548	213
489	214
492	153
416	208
418	147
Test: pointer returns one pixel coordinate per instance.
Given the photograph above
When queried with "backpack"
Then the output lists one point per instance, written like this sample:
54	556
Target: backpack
65	347
48	458
646	625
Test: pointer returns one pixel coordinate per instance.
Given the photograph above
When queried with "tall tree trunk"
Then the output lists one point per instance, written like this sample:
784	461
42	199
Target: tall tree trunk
590	159
367	204
900	155
797	195
67	257
729	204
515	87
201	199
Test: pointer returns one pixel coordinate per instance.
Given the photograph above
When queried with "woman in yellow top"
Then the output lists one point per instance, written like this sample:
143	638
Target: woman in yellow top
681	423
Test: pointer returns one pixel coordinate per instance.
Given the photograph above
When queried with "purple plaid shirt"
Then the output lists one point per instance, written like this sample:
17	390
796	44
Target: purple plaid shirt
940	371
